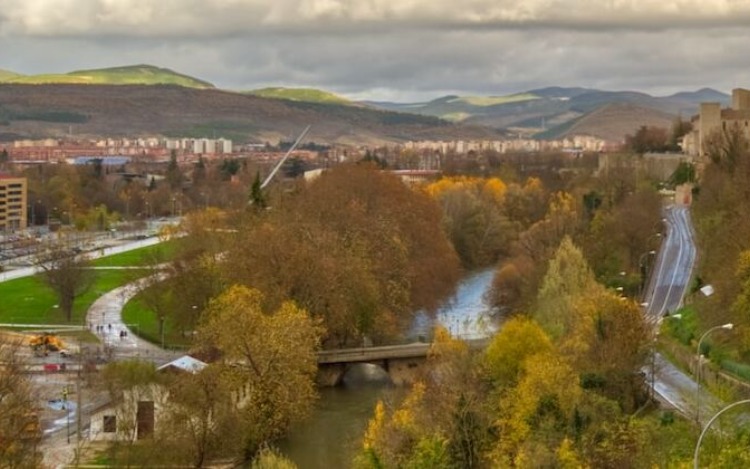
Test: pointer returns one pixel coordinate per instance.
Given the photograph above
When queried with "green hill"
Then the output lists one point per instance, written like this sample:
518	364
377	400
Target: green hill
308	95
130	75
7	74
484	101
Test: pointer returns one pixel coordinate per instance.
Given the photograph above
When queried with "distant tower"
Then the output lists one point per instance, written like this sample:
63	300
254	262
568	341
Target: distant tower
710	121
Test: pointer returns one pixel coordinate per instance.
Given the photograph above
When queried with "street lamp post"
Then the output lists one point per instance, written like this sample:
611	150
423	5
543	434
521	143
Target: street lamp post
696	454
643	269
728	326
67	411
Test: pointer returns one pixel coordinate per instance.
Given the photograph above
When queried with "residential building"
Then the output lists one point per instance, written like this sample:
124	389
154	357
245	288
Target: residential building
136	416
12	203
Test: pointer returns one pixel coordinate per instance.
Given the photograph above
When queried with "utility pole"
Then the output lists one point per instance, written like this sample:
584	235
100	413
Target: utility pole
79	398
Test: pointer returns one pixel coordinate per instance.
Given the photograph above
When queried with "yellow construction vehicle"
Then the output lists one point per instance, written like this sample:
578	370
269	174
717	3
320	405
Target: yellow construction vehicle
45	343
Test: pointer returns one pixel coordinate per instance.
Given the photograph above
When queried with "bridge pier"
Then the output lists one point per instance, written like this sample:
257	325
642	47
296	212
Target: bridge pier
402	372
330	375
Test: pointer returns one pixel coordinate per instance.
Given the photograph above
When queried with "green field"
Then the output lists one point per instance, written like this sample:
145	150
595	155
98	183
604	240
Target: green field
131	75
29	300
145	324
139	257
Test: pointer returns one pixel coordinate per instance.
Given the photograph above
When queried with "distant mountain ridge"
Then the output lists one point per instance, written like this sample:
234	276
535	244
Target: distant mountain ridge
127	75
53	110
542	112
559	111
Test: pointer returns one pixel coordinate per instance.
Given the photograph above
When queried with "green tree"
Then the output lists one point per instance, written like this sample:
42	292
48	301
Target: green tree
685	172
568	279
257	198
174	174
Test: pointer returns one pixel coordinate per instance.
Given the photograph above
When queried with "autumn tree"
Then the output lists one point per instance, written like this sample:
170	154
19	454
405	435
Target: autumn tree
443	421
646	139
356	248
473	217
726	147
537	411
636	220
201	421
517	278
115	381
680	128
70	276
270	357
20	431
519	339
721	211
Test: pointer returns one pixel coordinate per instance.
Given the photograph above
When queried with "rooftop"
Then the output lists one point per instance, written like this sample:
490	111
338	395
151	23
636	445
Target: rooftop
184	363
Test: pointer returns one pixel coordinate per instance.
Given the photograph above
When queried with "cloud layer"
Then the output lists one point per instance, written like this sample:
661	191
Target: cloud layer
404	49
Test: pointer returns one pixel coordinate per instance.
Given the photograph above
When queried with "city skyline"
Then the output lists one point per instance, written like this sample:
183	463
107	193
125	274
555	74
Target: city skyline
392	50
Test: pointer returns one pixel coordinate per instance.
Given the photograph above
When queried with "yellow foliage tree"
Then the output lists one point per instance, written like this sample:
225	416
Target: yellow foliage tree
272	357
519	339
545	398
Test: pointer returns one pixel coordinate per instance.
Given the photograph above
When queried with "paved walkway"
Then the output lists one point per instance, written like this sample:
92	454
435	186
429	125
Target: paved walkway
104	318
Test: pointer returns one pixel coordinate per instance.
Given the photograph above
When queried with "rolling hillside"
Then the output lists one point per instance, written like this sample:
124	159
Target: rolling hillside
130	75
7	75
309	95
610	122
558	108
51	110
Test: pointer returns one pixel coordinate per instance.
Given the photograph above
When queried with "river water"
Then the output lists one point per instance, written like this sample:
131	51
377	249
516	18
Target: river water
332	436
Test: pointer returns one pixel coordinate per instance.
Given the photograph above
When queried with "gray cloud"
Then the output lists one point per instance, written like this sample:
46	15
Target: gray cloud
231	17
401	49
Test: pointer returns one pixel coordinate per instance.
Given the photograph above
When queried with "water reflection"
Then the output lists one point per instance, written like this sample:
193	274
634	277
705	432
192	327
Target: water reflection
467	314
333	436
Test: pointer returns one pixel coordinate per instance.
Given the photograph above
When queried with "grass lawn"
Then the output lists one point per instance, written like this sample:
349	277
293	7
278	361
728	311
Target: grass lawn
139	257
28	300
145	324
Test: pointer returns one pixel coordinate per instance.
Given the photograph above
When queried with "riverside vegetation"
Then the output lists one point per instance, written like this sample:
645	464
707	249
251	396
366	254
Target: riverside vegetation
355	253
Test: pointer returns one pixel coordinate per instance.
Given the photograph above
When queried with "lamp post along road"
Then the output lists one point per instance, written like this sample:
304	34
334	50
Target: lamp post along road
643	269
696	454
698	367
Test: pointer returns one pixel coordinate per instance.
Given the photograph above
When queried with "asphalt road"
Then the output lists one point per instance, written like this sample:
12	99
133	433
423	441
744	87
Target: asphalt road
670	276
673	268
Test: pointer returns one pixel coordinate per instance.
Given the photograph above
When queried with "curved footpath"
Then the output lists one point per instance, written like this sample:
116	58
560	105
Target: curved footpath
104	319
105	311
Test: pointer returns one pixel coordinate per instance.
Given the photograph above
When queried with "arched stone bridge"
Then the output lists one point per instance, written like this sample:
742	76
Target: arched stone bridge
403	363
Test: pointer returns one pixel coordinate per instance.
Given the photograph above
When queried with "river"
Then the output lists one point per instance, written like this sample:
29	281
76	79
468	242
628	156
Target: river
332	436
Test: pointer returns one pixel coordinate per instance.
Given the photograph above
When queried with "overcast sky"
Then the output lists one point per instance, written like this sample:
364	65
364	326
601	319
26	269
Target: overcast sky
403	50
